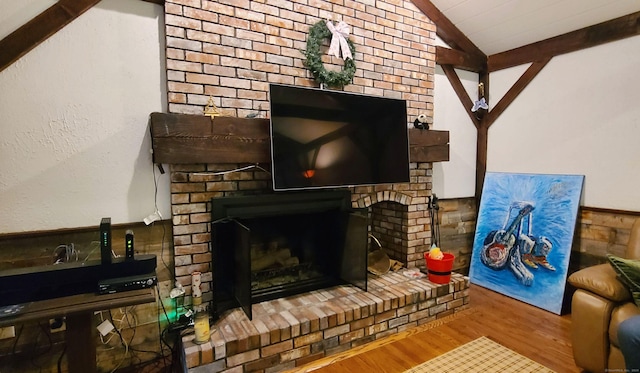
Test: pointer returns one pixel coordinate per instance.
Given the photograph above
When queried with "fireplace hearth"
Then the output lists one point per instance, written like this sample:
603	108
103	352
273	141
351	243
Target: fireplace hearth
274	245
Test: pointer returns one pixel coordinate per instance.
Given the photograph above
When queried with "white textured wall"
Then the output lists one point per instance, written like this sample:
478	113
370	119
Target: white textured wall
457	177
74	138
580	115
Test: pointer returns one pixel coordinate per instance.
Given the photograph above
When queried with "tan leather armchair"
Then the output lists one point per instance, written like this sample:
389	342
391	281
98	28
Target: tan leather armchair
598	306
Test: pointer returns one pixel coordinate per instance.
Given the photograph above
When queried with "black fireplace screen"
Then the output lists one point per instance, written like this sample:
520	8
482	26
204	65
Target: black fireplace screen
270	246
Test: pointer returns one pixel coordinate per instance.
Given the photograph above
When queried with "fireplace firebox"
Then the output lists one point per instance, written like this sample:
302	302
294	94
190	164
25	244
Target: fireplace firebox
275	245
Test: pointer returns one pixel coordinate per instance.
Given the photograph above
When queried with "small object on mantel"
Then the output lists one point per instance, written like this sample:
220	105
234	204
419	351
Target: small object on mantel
421	122
211	110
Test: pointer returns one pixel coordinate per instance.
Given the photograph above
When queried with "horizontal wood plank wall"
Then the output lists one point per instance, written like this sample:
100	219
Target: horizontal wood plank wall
457	228
598	232
602	232
29	249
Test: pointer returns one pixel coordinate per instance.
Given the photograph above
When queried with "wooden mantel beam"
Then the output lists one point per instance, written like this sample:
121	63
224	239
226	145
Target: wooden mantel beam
196	139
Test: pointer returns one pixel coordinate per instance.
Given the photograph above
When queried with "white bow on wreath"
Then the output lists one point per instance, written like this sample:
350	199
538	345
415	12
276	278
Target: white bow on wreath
340	33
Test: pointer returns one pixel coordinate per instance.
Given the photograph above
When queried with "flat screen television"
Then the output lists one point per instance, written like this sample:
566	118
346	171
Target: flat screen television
323	138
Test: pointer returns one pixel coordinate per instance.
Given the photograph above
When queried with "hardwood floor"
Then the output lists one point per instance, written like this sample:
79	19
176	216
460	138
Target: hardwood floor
535	333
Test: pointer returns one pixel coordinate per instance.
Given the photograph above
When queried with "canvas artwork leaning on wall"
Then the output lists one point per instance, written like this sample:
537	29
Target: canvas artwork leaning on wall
524	234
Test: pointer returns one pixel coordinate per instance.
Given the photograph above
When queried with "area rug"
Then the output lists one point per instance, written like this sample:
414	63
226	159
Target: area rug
482	356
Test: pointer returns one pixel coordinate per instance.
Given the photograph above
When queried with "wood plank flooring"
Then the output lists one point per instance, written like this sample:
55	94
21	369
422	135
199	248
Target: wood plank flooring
535	333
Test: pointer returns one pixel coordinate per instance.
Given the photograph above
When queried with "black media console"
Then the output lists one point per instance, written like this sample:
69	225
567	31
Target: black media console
22	285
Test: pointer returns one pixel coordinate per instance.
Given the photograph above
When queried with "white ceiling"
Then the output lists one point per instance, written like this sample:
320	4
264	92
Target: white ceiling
496	26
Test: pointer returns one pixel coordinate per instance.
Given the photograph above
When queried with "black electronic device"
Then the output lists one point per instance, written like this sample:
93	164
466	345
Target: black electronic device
22	285
128	244
105	241
322	138
120	284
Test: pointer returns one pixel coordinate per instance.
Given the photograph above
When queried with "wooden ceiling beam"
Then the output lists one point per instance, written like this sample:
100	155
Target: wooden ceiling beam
448	32
459	59
615	29
41	27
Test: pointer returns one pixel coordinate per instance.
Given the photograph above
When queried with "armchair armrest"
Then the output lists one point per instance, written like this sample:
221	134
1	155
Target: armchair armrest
601	280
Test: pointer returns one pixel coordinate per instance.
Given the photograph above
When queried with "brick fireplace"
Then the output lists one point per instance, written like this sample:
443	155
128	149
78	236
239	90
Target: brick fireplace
291	331
230	51
398	213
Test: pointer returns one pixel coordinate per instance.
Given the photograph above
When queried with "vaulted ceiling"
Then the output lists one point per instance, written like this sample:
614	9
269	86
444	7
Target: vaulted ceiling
491	26
522	44
496	26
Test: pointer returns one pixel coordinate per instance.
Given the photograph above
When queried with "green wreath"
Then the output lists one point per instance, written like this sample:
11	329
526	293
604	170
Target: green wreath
313	62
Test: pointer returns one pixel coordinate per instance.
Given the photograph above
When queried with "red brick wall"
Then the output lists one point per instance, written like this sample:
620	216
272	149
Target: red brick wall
399	215
232	49
192	187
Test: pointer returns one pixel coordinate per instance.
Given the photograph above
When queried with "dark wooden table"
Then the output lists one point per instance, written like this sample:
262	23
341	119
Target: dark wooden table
80	335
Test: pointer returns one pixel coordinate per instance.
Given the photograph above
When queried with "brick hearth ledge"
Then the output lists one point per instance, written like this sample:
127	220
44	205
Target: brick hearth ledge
289	332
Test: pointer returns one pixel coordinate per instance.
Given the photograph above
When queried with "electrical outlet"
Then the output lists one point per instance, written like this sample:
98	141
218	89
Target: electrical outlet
7	332
57	325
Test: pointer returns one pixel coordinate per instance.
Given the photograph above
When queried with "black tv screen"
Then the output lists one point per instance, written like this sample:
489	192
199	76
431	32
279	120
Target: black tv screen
323	138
